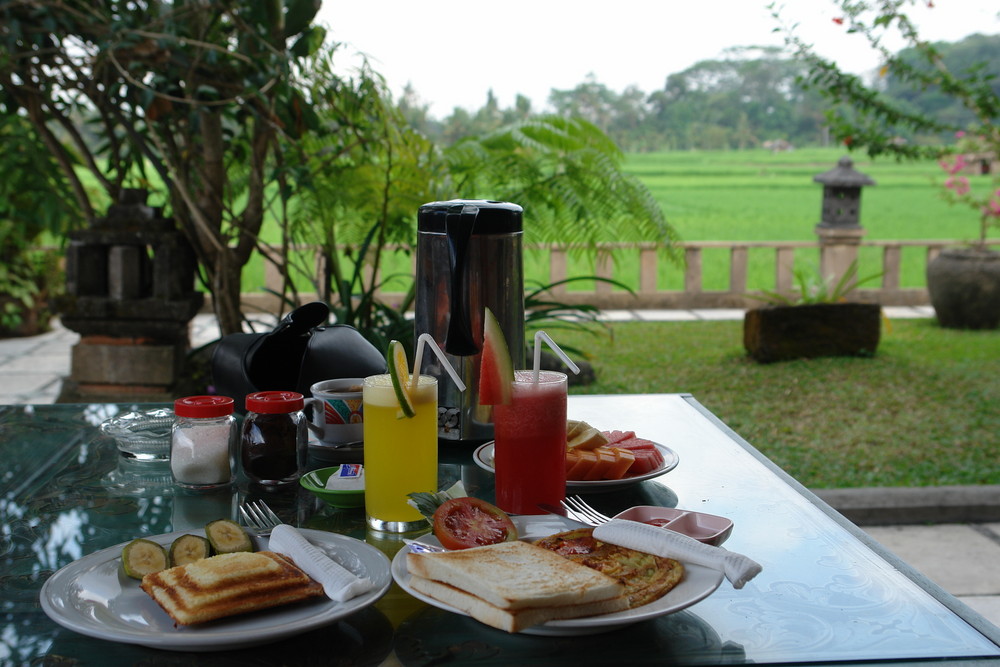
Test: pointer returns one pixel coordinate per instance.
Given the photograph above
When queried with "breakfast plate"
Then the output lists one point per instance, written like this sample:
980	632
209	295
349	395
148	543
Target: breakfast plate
483	456
92	596
698	583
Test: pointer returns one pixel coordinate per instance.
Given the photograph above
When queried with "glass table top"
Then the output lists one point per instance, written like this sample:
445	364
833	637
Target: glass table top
827	593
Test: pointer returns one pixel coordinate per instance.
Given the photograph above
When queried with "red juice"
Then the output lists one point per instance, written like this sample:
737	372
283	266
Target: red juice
529	455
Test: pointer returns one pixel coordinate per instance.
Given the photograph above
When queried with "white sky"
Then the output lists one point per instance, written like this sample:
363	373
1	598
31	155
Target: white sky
454	51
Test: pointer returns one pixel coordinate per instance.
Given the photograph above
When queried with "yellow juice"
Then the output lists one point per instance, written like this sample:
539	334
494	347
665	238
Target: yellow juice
400	453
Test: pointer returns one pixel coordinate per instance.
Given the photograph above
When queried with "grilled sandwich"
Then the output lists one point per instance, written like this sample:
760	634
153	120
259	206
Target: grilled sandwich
228	584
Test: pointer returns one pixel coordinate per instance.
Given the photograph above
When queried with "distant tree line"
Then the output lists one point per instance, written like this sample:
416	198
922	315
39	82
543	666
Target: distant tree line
751	97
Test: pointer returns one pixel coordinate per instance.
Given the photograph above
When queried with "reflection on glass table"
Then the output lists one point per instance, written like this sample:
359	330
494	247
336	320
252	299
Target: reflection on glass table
827	592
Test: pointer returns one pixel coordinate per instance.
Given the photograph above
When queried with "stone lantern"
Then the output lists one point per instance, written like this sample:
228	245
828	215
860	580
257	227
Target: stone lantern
130	295
840	229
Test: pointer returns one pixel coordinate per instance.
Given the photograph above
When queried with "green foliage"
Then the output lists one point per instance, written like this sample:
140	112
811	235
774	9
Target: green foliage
199	95
33	210
866	118
569	177
359	188
814	288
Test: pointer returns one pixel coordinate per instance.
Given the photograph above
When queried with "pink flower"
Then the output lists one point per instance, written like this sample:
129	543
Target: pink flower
992	207
959	184
960	134
953	169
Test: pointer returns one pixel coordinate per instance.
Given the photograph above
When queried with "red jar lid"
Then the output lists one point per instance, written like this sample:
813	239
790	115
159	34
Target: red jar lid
274	402
203	407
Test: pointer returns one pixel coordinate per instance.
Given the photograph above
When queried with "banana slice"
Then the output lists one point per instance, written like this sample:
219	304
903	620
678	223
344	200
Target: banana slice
189	548
227	537
141	557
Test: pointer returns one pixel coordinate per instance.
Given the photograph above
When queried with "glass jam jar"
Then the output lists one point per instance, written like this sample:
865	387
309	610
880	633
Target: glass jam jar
274	441
203	442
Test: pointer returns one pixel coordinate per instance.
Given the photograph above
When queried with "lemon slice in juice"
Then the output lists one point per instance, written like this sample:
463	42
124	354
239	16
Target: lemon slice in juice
399	372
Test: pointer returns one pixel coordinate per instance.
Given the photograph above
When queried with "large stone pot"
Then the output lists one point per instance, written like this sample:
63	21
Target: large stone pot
964	286
780	333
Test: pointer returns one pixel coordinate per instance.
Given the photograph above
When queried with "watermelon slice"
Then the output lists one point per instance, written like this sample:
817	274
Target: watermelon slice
617	436
645	461
636	444
496	370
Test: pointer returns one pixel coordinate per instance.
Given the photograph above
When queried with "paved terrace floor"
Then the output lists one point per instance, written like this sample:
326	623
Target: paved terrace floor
961	557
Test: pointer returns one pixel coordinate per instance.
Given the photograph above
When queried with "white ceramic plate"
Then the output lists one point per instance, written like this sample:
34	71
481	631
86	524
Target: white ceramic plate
698	583
93	597
483	456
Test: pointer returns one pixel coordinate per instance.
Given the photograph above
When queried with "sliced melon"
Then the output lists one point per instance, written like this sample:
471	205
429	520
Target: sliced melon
496	370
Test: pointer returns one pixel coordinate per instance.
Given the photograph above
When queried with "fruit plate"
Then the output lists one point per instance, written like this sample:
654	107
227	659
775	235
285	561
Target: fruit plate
92	596
483	456
698	583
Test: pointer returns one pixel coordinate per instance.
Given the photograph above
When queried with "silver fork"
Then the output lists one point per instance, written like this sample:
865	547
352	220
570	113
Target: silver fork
259	517
585	512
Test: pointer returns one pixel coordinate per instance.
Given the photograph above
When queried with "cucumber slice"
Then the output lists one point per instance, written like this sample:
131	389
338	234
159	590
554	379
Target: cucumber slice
189	548
227	537
141	557
399	372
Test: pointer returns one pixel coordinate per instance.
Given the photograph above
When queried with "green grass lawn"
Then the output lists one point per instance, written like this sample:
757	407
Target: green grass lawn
922	412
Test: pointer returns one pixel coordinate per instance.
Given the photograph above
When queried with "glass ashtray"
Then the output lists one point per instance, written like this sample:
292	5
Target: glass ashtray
142	435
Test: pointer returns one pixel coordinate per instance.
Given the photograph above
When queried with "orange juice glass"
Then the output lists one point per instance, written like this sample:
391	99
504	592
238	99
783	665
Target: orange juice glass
400	453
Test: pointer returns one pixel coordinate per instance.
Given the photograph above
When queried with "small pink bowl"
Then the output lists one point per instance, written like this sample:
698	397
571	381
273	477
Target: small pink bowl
707	528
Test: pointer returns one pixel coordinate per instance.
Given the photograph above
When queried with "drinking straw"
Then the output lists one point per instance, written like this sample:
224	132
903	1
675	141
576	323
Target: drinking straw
539	337
426	340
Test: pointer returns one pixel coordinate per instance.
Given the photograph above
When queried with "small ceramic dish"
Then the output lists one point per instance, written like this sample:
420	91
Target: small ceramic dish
315	482
707	528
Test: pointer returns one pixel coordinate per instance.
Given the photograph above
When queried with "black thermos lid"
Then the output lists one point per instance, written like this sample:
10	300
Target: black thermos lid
494	217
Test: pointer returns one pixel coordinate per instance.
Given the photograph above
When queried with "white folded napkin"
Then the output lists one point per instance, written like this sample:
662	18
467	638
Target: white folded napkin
338	582
669	544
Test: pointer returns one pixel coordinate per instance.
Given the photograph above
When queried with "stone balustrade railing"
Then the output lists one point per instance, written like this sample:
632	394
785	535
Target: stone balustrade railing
642	265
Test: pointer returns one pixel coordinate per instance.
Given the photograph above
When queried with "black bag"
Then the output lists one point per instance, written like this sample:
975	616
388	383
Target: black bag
300	351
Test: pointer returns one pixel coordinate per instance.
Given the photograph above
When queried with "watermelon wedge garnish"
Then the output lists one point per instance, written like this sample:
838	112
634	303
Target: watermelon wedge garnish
496	370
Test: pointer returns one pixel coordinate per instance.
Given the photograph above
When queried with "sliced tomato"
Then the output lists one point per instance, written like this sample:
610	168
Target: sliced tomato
461	523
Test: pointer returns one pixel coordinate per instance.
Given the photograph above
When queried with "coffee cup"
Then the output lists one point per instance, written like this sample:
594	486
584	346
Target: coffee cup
337	417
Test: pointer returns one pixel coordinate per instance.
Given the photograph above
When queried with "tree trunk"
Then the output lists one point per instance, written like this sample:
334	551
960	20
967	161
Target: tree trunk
226	290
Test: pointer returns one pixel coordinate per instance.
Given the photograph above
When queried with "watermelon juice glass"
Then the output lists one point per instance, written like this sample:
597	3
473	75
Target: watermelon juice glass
529	453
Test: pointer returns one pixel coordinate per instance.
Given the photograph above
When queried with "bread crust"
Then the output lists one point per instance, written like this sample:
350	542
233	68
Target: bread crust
512	620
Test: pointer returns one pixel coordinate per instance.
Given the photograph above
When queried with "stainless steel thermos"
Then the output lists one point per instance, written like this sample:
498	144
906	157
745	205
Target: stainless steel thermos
469	258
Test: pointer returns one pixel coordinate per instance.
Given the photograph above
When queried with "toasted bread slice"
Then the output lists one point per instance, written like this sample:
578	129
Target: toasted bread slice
516	575
228	584
512	620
